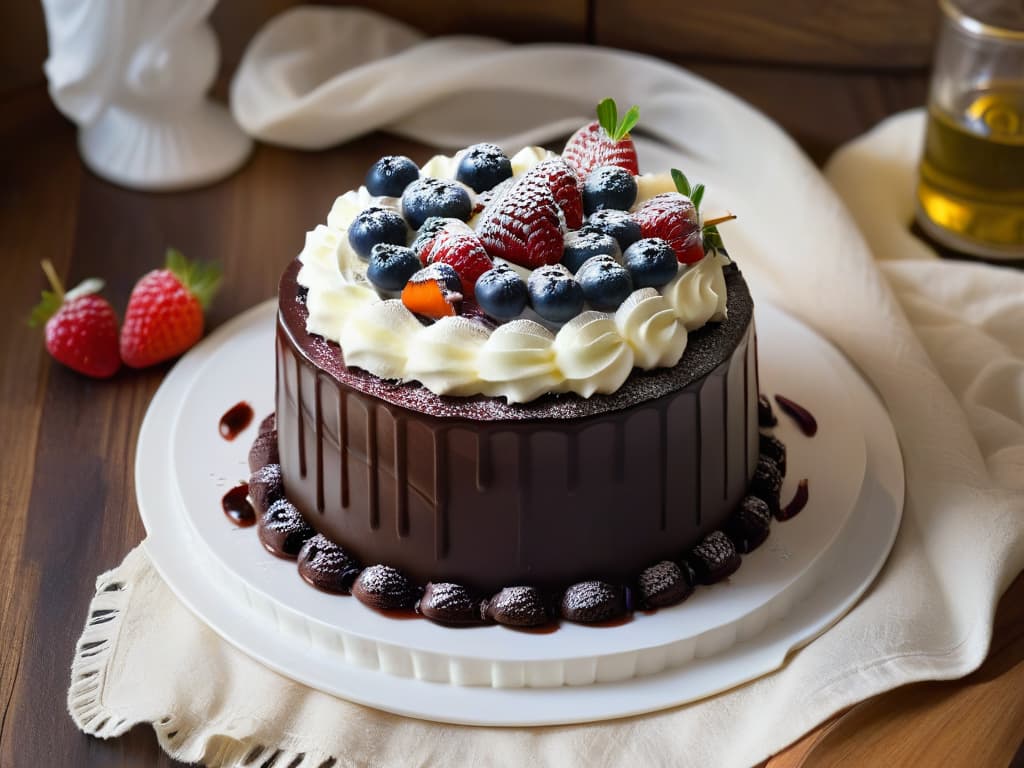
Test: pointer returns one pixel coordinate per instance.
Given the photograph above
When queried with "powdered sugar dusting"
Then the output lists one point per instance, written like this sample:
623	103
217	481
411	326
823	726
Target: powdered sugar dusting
447	596
588	595
518	606
283	517
755	511
323	555
716	550
268	474
383	580
660	577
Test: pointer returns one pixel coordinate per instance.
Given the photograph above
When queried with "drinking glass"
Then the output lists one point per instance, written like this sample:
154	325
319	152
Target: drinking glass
970	194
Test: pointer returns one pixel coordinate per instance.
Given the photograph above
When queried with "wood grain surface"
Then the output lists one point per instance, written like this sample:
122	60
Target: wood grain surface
66	486
860	34
864	34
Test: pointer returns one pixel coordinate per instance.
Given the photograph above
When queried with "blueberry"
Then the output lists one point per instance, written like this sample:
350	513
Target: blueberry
554	294
390	175
435	197
605	283
444	274
501	292
580	246
651	262
391	266
483	166
608	187
618	224
376	225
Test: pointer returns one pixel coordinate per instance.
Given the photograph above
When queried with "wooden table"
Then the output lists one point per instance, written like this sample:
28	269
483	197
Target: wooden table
66	488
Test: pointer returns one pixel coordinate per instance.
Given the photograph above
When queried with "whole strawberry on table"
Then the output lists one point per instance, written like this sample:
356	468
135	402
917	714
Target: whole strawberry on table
165	310
164	318
80	326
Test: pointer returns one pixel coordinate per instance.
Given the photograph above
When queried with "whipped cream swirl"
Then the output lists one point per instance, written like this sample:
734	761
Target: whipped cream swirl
521	360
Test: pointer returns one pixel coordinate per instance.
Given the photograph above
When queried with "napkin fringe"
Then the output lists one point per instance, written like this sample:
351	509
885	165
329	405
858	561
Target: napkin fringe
90	666
92	655
237	754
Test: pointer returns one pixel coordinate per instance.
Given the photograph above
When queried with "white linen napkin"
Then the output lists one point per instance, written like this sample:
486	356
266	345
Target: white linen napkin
942	343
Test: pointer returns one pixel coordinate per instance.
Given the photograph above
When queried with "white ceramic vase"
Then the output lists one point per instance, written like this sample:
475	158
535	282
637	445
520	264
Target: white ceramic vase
133	75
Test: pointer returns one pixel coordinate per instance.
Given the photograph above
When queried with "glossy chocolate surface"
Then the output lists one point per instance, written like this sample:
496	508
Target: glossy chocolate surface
486	494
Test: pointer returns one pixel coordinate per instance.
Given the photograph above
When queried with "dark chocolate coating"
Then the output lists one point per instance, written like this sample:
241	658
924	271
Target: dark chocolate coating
765	415
486	494
775	450
263	451
714	559
448	603
282	529
384	587
326	566
265	487
664	584
749	525
593	601
767	483
269	424
518	607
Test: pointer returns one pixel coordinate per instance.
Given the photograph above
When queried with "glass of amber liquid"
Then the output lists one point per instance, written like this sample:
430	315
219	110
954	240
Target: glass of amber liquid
970	194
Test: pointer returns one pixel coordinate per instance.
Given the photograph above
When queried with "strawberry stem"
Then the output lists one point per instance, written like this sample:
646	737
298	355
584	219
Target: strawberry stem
201	279
719	220
53	278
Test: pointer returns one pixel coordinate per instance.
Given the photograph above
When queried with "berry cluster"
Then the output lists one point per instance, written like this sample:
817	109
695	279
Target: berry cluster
565	236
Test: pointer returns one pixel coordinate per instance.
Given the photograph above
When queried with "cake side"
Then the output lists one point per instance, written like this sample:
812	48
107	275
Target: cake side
476	491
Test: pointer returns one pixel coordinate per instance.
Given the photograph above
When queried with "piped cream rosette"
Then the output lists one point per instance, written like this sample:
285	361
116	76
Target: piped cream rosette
519	360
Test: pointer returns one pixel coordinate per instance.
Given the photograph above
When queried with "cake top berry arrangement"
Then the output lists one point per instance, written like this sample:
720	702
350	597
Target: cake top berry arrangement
515	277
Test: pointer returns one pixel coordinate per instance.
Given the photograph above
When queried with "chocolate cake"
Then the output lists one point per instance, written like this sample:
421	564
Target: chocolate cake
483	493
513	389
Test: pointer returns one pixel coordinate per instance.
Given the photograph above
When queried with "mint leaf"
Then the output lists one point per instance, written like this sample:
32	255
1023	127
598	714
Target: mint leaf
628	123
608	116
681	182
713	241
696	195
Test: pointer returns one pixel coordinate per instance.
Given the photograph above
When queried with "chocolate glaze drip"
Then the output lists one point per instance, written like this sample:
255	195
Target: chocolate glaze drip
237	507
326	566
798	503
236	419
372	477
318	425
401	481
803	418
343	446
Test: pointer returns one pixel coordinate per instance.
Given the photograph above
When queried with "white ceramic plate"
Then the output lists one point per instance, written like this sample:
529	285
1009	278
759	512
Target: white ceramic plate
785	593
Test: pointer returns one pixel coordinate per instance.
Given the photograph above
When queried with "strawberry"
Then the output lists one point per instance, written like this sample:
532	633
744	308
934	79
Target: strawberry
605	141
565	188
675	216
165	311
81	327
464	253
672	217
523	225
